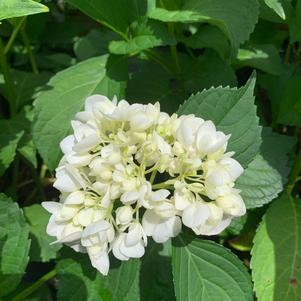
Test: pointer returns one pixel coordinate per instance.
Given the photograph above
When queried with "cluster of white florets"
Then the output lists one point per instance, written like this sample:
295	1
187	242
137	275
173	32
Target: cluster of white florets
131	171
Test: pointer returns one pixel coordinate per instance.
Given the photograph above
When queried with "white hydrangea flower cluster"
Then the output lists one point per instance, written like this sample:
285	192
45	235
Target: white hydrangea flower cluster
131	171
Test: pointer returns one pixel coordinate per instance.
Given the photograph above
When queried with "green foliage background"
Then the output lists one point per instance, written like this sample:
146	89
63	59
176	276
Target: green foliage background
235	62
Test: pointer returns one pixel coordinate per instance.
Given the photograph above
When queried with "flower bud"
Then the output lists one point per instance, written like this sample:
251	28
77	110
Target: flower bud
124	215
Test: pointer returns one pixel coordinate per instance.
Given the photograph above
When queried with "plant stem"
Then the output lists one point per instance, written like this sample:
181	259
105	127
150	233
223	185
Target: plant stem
15	173
120	33
293	178
152	177
173	50
9	86
28	291
29	51
287	53
164	184
13	35
156	58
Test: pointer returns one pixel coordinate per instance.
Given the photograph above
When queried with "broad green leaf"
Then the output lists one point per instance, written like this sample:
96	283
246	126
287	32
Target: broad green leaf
27	84
260	183
14	244
26	147
209	36
236	19
19	8
37	219
93	44
276	6
264	57
122	282
284	93
117	14
268	33
276	254
148	35
54	108
204	270
156	281
233	112
276	149
266	174
152	83
10	136
78	278
55	61
237	224
207	71
294	23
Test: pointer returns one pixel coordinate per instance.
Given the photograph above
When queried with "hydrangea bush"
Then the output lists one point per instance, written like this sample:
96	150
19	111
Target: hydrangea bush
150	150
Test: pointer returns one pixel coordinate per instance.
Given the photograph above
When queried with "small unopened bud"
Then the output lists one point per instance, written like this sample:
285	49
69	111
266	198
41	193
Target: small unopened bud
124	215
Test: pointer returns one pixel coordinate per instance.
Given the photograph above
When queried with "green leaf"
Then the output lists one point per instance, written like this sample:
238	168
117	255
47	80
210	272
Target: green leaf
276	258
266	175
264	57
78	278
14	244
148	35
54	108
233	112
122	282
209	36
93	44
294	23
156	281
276	6
204	270
284	93
54	61
236	19
268	33
207	71
259	184
117	14
38	218
237	224
19	8
10	136
151	83
26	85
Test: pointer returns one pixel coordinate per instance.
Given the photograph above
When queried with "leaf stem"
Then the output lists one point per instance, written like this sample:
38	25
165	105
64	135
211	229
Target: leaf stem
14	35
173	49
293	178
29	51
9	86
287	53
152	177
120	33
28	291
152	55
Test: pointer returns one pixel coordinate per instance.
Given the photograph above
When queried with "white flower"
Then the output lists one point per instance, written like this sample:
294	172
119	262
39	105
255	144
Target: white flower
124	215
208	140
130	171
131	244
183	196
161	229
96	238
232	204
59	226
187	130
